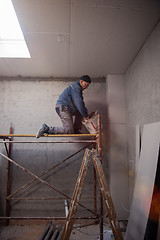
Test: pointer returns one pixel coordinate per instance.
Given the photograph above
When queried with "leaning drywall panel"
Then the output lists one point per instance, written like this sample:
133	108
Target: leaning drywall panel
144	182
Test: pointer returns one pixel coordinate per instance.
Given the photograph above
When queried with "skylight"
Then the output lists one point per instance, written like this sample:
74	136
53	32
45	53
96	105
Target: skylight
12	42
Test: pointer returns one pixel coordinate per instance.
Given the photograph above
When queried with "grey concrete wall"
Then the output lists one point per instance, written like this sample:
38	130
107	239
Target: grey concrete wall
27	103
118	161
142	83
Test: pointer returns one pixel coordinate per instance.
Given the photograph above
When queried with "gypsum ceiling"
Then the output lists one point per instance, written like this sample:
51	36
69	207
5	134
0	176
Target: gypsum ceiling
69	38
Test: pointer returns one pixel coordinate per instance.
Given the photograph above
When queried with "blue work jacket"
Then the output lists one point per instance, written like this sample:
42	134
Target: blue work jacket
72	97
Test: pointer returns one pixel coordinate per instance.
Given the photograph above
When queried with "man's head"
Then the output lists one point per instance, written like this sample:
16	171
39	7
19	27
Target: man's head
85	81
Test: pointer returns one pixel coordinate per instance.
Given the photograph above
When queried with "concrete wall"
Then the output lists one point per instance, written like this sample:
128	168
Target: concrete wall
27	103
118	162
142	85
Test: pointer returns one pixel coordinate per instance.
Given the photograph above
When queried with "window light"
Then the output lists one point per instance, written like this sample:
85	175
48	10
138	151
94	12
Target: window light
12	42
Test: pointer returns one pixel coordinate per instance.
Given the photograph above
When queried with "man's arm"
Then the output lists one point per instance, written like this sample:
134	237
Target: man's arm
78	101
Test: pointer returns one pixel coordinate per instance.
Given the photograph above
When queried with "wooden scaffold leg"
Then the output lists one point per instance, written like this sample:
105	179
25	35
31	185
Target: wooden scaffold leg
76	196
107	197
105	193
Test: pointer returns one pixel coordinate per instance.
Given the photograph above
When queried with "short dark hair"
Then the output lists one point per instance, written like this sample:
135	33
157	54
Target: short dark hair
86	78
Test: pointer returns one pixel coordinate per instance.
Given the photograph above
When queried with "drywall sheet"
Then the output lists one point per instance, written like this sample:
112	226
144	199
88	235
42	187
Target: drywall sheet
144	182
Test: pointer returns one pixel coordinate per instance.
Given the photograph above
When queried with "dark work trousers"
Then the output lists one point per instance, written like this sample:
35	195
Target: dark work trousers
70	123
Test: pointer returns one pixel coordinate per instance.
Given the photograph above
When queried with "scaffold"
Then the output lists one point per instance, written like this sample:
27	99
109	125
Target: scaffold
91	139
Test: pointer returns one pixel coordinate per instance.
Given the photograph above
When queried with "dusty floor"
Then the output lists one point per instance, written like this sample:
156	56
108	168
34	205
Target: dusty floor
33	231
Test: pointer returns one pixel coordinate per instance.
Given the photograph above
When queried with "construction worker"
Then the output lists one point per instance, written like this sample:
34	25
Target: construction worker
69	104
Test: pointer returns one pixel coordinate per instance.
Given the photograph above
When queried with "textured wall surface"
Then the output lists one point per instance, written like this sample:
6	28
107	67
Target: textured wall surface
118	161
142	82
27	103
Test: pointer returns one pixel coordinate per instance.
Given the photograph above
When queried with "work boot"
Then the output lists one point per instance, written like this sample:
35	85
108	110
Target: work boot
44	129
77	131
51	130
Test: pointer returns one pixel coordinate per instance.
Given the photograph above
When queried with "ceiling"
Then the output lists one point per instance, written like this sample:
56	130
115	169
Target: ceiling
69	38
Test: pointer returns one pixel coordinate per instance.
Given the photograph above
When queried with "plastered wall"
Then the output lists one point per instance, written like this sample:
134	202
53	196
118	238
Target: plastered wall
142	87
27	103
118	161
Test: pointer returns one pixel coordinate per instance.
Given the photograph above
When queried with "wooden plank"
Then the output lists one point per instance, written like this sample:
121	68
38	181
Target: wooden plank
50	135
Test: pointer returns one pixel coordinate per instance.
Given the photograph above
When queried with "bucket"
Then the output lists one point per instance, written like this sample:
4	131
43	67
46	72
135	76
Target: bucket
92	123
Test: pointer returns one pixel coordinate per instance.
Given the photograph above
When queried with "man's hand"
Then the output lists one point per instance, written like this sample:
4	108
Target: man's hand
86	119
91	115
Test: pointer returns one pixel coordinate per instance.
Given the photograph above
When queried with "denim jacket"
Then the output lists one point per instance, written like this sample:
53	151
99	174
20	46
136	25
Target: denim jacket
72	97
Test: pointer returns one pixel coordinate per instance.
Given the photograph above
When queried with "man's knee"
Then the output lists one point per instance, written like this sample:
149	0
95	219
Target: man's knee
70	131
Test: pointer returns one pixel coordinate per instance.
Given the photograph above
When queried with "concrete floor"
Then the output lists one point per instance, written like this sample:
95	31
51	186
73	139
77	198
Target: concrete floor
33	231
21	232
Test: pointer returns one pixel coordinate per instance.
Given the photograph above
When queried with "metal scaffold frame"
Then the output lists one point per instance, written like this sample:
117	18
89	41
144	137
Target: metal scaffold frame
90	139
